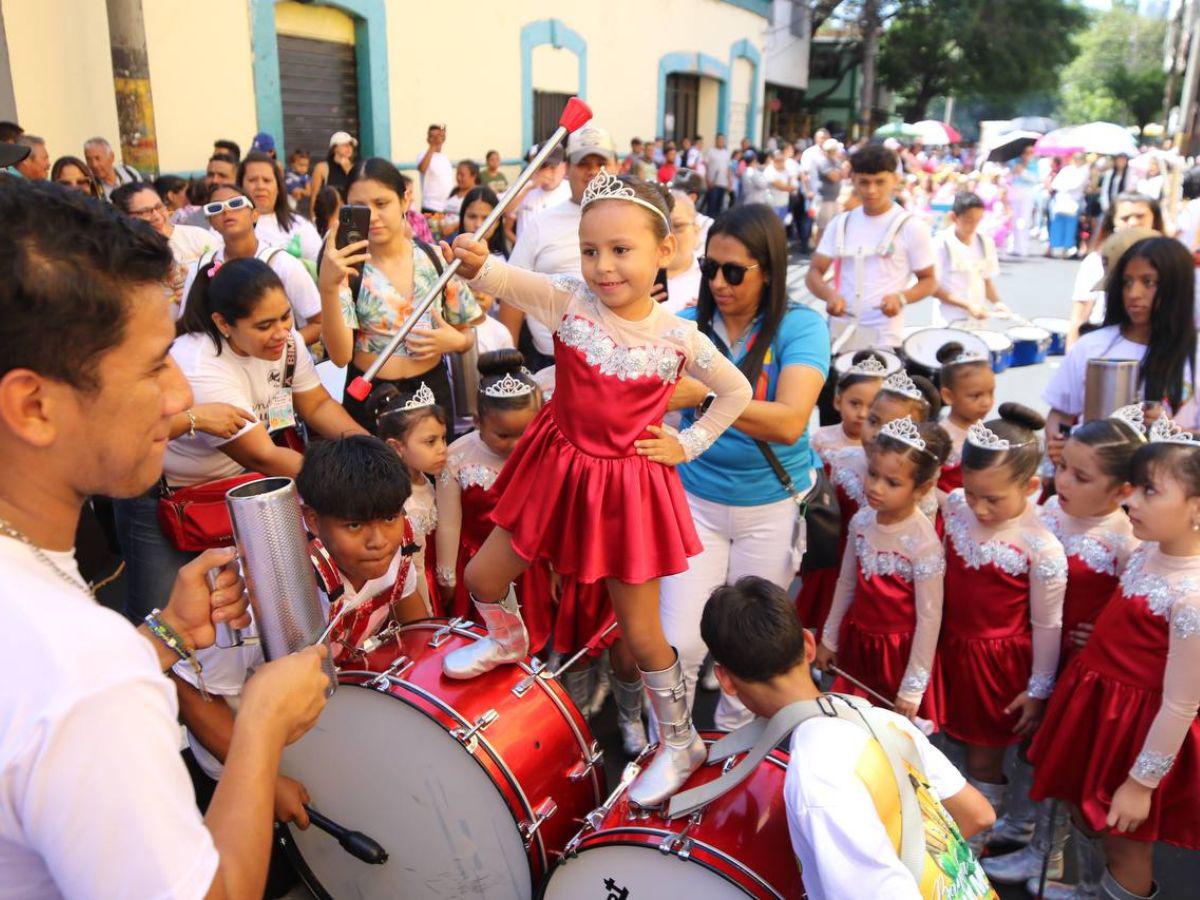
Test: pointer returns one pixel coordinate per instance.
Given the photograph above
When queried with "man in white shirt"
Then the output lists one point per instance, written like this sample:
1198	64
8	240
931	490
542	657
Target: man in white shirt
847	839
551	188
683	272
966	266
437	172
109	174
716	171
549	242
94	798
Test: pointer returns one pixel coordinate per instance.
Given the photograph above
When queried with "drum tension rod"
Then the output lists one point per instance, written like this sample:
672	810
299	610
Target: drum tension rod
583	768
398	667
545	810
468	736
443	634
681	844
536	668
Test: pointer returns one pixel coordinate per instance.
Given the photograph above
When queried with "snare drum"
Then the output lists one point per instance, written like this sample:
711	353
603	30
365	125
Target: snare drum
1030	344
737	846
472	787
891	362
921	347
1058	329
1000	349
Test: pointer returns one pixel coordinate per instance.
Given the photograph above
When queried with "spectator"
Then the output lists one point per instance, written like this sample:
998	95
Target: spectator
35	166
418	225
693	184
694	157
261	177
756	184
645	167
221	170
229	148
550	188
72	172
466	177
437	172
658	152
109	174
716	172
1117	179
325	210
828	168
476	207
635	154
667	170
10	155
1152	185
683	271
1068	187
9	132
297	177
335	169
173	191
263	143
492	177
779	195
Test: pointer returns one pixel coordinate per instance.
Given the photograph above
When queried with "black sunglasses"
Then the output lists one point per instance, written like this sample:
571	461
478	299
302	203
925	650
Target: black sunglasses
734	274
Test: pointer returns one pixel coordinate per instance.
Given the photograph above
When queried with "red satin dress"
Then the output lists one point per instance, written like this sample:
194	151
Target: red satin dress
816	589
1101	711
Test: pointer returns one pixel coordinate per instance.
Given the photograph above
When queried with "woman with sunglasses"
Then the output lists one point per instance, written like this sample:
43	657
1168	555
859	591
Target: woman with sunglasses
232	215
72	172
745	516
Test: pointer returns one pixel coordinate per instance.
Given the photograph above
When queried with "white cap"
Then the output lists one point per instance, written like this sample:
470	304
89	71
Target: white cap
590	140
342	137
831	144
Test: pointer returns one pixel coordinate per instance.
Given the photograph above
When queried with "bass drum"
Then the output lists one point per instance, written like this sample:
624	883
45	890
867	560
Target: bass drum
921	347
735	847
472	787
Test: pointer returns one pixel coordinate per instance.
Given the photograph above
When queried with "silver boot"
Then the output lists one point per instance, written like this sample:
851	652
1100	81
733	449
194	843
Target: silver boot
1049	838
603	678
1110	889
1015	827
507	640
1089	862
680	751
578	683
630	695
994	794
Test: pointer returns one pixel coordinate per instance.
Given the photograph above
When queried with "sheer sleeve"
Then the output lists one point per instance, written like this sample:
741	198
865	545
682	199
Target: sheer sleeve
732	395
1047	585
843	594
545	297
929	571
449	505
1181	695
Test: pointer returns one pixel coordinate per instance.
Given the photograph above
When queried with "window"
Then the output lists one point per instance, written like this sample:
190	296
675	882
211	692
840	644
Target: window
679	110
318	83
548	107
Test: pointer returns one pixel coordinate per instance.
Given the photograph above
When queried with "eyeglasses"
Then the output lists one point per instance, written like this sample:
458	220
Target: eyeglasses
734	274
149	212
219	206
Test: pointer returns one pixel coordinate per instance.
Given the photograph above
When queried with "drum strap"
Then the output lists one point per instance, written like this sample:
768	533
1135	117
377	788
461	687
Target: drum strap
886	248
761	736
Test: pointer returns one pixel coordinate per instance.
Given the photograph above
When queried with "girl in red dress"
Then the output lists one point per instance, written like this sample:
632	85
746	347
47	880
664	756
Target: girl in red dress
968	387
1002	617
591	487
883	625
1120	741
415	427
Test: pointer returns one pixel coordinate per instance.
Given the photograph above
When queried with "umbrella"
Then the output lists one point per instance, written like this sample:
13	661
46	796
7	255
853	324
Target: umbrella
936	134
1105	138
899	130
1040	124
1060	142
1010	145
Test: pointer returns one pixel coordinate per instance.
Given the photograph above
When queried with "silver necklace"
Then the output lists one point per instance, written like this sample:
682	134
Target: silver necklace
12	531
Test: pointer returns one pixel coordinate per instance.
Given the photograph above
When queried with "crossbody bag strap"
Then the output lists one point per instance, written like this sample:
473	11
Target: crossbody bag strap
289	366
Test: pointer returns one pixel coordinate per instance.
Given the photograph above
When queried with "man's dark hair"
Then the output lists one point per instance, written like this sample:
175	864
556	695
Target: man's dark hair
358	478
9	132
230	147
873	159
965	201
751	628
222	156
67	267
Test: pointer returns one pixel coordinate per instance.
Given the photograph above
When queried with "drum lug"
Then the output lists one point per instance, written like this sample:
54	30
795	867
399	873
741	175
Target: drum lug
536	668
468	736
443	634
583	768
398	667
528	829
373	643
680	844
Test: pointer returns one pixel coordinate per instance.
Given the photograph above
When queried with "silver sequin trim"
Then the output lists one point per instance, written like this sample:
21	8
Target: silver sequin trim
915	682
1159	593
847	479
567	284
423	521
1050	563
485	269
695	440
1003	556
602	352
1041	685
446	576
445	477
1095	550
874	562
478	475
1151	766
1185	621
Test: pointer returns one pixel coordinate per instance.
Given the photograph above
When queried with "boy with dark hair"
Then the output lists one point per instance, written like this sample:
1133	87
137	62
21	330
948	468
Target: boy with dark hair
228	147
852	837
966	264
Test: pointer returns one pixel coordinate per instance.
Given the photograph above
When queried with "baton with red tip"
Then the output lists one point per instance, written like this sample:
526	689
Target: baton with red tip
575	115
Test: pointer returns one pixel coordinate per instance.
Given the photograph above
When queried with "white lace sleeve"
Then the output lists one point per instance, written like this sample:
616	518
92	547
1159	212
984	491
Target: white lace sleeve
1047	585
449	505
843	594
732	391
545	297
929	571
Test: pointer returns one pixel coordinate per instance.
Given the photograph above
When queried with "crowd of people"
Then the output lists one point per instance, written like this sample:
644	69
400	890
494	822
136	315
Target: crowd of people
606	418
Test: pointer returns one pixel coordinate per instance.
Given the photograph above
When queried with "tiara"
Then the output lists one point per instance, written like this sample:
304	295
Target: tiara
508	387
606	186
1164	431
900	383
966	357
1132	415
868	366
905	431
422	398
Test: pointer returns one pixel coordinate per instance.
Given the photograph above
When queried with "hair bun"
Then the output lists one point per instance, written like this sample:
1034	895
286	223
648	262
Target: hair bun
948	351
933	396
937	441
500	362
1022	416
382	399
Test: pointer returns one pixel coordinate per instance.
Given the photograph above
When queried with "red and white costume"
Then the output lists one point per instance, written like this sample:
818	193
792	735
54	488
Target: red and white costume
1097	549
574	491
887	610
421	511
1001	621
951	478
847	468
1126	706
828	440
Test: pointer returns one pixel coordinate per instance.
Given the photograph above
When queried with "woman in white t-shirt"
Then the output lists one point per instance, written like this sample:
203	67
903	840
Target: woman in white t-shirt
261	177
1149	305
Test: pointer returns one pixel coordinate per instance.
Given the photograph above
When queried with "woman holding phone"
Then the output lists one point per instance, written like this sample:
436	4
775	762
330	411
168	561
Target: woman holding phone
369	288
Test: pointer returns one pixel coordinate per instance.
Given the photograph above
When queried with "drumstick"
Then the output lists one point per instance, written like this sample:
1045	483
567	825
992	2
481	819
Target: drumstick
574	116
589	646
357	844
924	724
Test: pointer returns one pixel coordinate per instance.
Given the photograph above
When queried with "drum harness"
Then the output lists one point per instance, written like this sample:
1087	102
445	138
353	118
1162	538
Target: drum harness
886	248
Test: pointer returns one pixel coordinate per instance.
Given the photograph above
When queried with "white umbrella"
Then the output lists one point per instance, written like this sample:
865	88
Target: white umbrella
936	134
1104	138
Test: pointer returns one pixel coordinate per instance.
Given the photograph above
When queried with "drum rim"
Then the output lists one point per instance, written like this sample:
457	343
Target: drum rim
934	364
885	351
1046	333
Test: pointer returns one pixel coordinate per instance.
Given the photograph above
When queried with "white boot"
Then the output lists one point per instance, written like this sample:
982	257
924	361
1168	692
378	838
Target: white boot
1015	827
1089	863
1049	838
681	751
507	640
994	794
603	675
630	696
578	683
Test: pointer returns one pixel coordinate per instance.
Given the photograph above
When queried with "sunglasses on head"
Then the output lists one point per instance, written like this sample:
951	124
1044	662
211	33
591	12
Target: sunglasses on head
217	207
734	274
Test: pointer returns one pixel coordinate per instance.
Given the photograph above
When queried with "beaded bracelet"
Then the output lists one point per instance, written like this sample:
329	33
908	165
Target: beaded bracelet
171	638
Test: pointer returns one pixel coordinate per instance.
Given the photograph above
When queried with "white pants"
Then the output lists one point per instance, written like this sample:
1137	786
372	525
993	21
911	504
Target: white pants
1022	209
738	540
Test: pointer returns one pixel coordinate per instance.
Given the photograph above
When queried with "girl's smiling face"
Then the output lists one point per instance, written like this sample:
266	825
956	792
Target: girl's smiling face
621	255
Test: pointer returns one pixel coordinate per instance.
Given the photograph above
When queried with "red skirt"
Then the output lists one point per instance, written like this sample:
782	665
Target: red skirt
1093	730
974	679
879	662
584	610
593	517
815	597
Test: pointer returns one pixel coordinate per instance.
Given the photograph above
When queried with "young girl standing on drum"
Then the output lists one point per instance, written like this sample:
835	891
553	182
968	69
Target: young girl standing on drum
1002	618
968	387
1121	741
591	487
883	626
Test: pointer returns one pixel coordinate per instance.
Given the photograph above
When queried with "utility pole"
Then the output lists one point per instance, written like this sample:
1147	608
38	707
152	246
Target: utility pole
131	84
1191	81
870	25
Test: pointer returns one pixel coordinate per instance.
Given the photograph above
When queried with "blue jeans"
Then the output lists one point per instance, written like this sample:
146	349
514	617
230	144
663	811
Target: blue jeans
151	561
1063	231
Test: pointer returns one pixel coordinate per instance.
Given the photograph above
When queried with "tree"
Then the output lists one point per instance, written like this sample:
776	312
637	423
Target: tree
1139	91
937	48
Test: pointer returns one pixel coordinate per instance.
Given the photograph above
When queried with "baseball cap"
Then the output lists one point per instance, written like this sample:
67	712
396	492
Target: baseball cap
11	154
1115	246
689	181
590	141
263	143
342	137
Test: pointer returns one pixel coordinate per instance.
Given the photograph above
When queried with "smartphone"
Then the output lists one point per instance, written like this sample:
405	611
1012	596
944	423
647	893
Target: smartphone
353	224
661	279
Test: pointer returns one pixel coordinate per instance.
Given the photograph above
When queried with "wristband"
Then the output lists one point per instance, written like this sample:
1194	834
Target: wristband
171	638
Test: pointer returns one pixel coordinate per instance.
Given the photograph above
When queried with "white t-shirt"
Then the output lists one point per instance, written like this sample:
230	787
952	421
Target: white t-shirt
882	275
1065	392
253	384
437	181
1087	276
716	165
777	196
538	199
301	290
961	270
1187	225
756	185
94	798
837	834
683	290
548	243
189	243
491	335
303	235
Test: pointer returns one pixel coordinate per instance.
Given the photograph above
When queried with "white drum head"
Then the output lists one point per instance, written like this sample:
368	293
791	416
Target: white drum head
639	868
1028	333
333	379
922	346
891	362
1052	324
994	340
376	765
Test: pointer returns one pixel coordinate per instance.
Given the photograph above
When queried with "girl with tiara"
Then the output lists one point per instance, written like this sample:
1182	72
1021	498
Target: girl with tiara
1086	516
898	396
1120	741
415	427
592	488
852	397
968	387
883	625
1002	617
